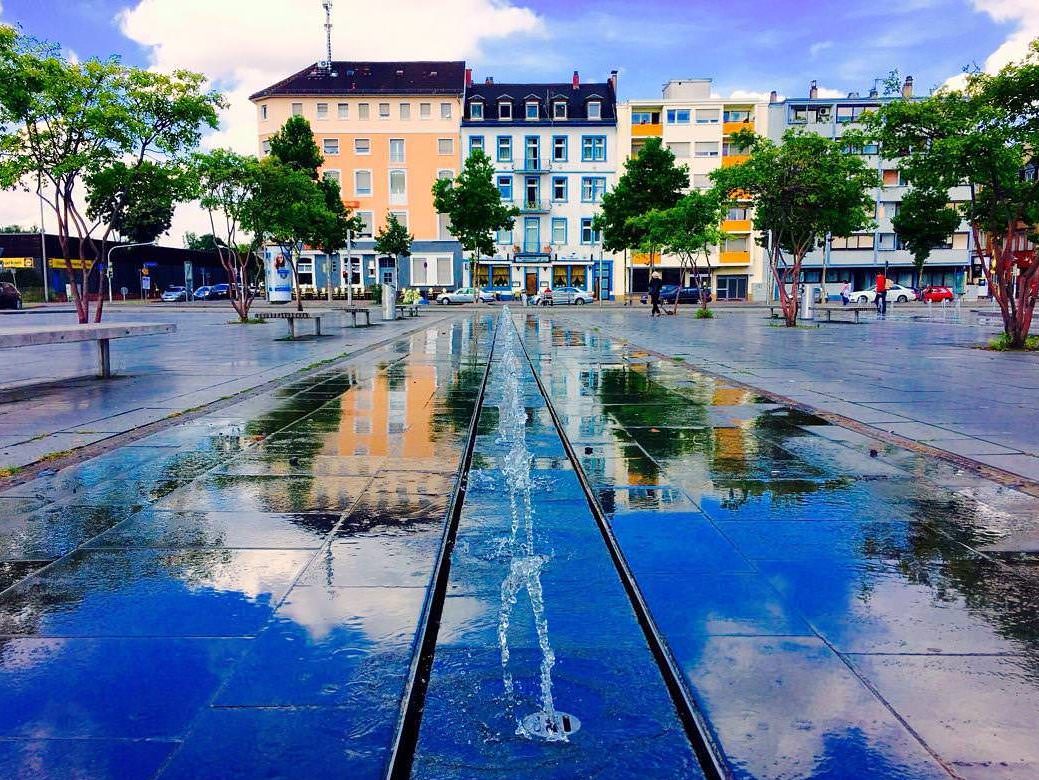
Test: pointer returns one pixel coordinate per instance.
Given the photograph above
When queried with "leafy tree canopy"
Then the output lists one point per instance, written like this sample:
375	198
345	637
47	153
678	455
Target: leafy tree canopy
689	228
393	238
924	221
294	146
473	205
138	201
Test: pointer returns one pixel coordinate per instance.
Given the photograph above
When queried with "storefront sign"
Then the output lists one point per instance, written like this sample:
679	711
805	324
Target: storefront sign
62	264
7	263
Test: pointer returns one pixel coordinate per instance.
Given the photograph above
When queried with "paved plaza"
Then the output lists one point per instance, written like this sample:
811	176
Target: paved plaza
486	545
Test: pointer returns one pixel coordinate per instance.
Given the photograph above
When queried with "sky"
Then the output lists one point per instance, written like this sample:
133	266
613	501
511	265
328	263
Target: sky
748	47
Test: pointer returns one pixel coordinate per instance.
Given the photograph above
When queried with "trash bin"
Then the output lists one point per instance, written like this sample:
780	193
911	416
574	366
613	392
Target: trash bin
389	301
808	296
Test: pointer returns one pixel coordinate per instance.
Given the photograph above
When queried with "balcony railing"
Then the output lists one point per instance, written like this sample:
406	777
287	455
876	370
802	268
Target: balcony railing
735	257
532	165
734	159
534	207
647	130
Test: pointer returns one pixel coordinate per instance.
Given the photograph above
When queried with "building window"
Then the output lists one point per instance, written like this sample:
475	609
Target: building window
405	111
343	110
592	189
398	186
559	109
854	241
559	230
384	111
445	145
445	173
263	111
504	237
368	219
735	244
330	145
738	212
297	109
594	109
362	146
322	110
476	110
475	142
266	146
397	150
505	110
707	116
593	148
505	187
445	110
706	149
588	234
425	110
736	115
362	110
559	148
504	148
402	217
679	148
847	114
362	182
678	116
559	189
645	116
332	175
701	181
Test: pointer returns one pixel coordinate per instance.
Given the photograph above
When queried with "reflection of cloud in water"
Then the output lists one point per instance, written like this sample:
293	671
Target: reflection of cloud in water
381	614
25	654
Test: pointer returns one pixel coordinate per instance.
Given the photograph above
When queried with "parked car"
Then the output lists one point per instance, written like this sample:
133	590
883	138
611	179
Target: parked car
220	292
563	295
936	293
202	293
465	295
173	293
690	294
10	298
895	292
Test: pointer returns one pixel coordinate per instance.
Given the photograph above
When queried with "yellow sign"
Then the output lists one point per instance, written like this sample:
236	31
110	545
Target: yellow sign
17	262
77	264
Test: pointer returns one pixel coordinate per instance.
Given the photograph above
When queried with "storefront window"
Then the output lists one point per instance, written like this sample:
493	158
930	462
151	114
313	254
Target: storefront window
501	276
559	276
482	275
578	276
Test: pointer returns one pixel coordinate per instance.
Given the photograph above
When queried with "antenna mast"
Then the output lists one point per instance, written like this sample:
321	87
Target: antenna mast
327	5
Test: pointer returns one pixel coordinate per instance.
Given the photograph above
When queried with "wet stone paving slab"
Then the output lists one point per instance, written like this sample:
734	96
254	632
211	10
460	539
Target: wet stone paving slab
239	596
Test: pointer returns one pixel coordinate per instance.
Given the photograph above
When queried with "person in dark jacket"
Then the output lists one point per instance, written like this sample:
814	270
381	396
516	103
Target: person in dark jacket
654	293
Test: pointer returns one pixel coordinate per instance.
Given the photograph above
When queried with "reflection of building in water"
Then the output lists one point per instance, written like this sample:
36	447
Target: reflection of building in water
391	414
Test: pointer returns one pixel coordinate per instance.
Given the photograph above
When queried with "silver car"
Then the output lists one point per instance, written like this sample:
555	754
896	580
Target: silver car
563	295
464	295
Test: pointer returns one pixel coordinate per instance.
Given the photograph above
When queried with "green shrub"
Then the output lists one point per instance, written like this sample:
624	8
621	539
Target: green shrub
1001	343
704	314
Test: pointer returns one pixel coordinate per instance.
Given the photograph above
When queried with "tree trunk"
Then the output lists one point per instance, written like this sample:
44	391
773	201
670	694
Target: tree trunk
1014	290
787	300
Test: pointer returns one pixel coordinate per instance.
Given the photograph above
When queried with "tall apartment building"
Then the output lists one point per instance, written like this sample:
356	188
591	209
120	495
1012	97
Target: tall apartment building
696	127
859	257
387	131
554	152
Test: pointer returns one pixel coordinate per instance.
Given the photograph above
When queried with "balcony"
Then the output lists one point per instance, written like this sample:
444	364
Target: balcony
728	128
734	159
534	207
647	130
735	257
531	165
736	225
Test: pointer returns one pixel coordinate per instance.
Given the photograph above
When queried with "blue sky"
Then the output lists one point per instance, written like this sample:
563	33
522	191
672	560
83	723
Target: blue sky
742	44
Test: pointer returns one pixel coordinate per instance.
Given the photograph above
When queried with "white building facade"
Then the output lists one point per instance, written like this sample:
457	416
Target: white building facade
554	148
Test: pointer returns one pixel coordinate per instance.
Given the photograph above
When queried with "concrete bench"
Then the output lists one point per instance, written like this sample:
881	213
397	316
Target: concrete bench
102	333
291	316
411	309
355	310
852	308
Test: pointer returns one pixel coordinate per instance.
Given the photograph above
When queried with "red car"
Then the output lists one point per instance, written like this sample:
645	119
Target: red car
934	293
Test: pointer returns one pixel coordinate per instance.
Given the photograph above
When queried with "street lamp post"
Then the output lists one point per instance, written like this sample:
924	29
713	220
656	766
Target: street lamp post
108	264
43	250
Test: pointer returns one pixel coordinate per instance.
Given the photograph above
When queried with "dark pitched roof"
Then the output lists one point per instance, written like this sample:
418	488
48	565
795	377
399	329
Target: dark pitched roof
372	78
517	94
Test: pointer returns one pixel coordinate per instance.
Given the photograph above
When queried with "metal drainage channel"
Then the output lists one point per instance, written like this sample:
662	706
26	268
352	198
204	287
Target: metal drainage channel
405	741
698	731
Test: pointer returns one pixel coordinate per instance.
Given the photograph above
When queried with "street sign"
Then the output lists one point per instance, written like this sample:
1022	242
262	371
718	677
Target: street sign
146	282
7	263
150	264
59	263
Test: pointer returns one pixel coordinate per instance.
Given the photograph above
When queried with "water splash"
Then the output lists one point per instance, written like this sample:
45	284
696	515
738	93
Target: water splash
524	564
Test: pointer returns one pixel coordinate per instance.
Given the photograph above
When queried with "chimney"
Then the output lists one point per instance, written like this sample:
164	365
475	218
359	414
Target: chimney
468	77
773	97
813	89
577	79
613	80
489	80
907	88
873	92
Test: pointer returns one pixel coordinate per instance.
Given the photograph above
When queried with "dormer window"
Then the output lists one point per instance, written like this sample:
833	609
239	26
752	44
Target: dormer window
505	110
594	109
559	109
533	110
476	109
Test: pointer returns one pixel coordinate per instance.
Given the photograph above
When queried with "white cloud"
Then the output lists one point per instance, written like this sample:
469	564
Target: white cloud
816	48
245	45
751	95
1019	12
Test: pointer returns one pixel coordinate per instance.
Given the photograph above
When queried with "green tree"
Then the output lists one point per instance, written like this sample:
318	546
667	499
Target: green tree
294	145
19	229
206	242
924	221
690	230
337	228
983	137
801	190
474	207
229	186
394	239
137	201
651	180
63	123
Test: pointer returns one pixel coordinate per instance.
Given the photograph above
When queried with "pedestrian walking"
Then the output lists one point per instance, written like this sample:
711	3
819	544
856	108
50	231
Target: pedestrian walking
881	298
846	293
654	293
523	297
